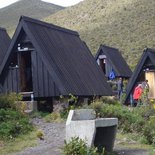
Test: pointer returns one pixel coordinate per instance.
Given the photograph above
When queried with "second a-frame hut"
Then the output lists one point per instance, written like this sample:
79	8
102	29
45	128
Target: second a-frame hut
145	70
50	61
111	61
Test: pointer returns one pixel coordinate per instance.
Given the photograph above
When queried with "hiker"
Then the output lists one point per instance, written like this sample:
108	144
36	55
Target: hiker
137	94
145	85
120	87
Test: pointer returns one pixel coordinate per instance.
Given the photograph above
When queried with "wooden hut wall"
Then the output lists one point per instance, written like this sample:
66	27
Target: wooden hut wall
43	85
11	81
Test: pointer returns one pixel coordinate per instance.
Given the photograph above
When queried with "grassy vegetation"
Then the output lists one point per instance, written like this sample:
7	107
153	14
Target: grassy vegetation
136	125
16	131
126	25
18	144
33	8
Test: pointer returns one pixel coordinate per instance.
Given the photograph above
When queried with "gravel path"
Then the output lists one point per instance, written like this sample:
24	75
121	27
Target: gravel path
54	140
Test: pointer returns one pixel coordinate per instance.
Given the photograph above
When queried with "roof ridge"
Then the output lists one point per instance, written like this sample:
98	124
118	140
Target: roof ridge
103	45
1	28
36	21
148	50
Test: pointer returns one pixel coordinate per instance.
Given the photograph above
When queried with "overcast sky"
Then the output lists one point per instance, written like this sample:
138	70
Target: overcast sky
4	3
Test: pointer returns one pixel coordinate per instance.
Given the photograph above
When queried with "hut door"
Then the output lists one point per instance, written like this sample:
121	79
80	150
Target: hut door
25	70
150	76
102	65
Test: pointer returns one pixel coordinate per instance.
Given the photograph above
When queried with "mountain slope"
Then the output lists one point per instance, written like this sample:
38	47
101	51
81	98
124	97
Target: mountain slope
38	9
125	24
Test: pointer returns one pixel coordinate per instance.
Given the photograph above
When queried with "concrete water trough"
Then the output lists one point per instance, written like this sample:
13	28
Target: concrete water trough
98	132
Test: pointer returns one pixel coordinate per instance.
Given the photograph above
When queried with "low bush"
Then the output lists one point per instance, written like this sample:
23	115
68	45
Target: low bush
13	121
53	117
77	146
140	120
40	134
10	101
149	130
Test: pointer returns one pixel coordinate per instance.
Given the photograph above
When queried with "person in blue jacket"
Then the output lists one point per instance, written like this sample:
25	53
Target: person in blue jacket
120	87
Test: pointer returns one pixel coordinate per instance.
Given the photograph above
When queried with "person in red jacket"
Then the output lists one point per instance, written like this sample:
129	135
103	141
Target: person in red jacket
137	93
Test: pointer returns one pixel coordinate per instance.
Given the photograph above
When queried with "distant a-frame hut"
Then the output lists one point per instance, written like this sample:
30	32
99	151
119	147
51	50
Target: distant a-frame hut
111	61
49	61
145	70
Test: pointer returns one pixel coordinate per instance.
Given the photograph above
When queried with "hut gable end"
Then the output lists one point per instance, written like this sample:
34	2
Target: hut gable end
145	65
115	61
59	59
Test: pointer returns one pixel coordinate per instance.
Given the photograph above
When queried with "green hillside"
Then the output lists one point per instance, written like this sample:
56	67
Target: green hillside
125	24
9	16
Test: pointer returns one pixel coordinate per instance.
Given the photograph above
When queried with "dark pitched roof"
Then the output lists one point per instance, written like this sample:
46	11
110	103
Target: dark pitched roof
4	43
68	60
148	53
118	63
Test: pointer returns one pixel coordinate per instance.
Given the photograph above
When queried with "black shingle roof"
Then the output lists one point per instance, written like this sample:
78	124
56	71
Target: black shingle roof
118	63
68	60
4	43
147	54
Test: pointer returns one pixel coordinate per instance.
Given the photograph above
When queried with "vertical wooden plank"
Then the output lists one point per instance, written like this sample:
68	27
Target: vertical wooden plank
40	77
51	86
9	82
17	78
35	73
5	83
14	79
45	74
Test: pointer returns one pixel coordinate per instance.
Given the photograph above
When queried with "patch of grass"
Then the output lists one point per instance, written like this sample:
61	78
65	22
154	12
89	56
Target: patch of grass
53	117
38	114
130	141
18	144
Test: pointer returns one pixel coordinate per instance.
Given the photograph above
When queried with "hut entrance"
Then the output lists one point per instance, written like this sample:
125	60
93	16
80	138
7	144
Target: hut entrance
150	76
102	62
25	70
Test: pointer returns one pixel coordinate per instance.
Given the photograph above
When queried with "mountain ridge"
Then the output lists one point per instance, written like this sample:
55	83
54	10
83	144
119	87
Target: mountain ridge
38	9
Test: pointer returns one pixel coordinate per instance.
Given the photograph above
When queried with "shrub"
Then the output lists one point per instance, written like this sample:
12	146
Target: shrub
140	120
13	123
149	130
78	146
109	100
128	120
10	101
53	117
40	134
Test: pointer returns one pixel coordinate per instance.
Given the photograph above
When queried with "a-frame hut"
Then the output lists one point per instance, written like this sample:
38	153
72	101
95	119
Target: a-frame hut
111	61
50	61
145	70
4	43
